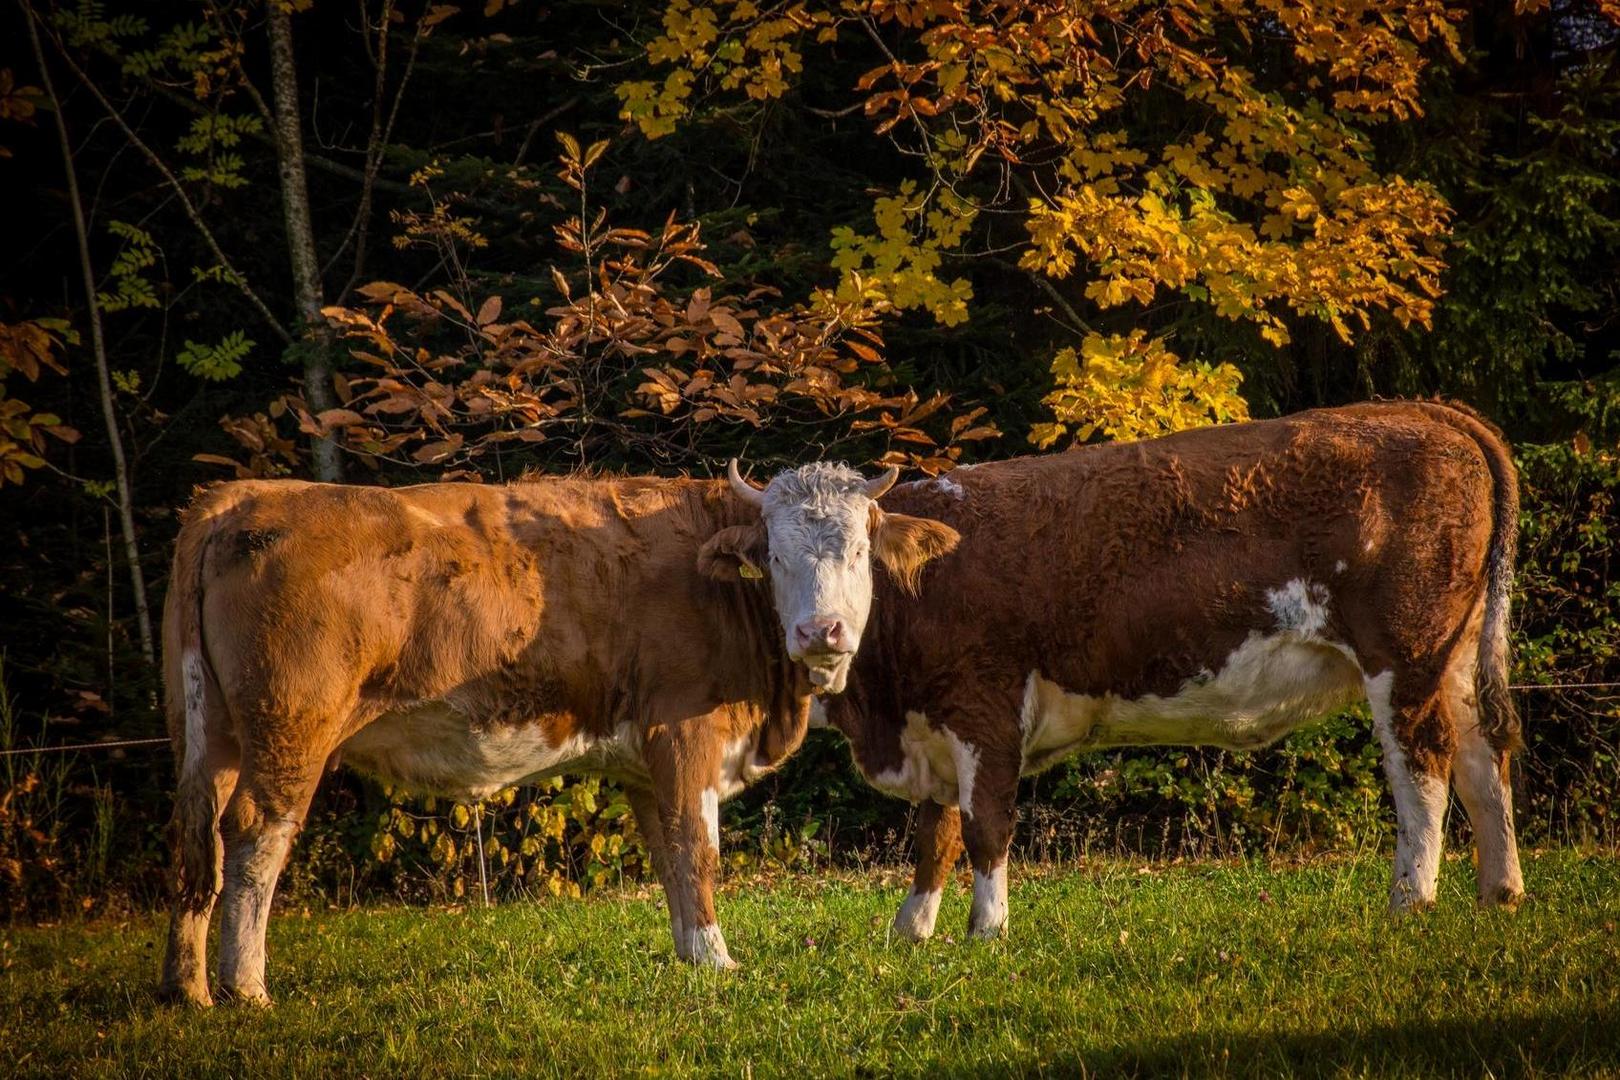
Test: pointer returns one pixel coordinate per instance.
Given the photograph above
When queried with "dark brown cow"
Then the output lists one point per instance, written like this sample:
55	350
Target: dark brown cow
1217	587
455	638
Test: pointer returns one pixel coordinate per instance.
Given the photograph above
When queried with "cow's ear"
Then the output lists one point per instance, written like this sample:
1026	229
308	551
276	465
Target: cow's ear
734	553
904	544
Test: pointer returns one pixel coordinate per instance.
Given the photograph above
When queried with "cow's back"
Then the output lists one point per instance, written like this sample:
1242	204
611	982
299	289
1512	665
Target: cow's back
1132	568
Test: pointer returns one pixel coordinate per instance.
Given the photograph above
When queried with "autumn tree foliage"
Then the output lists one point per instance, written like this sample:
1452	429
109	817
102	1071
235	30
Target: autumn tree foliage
1207	155
621	358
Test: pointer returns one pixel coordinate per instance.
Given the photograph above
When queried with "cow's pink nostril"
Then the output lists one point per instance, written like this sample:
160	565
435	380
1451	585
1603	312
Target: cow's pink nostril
821	634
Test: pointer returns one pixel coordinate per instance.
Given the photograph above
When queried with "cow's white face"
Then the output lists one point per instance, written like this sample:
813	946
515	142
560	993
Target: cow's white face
821	529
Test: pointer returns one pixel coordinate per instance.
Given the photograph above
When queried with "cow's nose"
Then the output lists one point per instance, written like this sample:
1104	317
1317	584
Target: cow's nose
820	635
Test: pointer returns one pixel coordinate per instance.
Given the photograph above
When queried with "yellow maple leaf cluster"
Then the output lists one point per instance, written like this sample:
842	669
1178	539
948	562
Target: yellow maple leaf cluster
897	267
737	44
1132	387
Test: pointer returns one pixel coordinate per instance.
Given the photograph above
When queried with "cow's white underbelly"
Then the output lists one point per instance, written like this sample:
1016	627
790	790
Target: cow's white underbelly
1267	687
435	748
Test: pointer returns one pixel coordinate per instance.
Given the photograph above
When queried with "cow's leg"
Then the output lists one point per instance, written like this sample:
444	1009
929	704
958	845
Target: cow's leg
1414	729
645	806
987	787
1480	774
261	820
939	845
684	760
204	789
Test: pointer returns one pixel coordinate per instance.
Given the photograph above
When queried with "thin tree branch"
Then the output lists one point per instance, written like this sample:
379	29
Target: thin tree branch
1046	286
157	163
109	412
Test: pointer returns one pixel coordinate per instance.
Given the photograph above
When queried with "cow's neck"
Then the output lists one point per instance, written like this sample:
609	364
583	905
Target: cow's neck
871	711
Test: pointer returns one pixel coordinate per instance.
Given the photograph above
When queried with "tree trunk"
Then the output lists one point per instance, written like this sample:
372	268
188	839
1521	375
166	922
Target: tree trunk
109	412
316	344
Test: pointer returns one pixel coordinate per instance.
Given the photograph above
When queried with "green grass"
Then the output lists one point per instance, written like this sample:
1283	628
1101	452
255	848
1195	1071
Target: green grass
1115	969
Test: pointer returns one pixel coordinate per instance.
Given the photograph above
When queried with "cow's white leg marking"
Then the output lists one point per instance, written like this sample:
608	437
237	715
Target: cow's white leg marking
966	757
251	870
989	916
1420	808
710	800
915	920
1477	773
706	947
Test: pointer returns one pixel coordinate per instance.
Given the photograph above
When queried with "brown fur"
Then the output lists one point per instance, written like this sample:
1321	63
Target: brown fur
569	607
1131	569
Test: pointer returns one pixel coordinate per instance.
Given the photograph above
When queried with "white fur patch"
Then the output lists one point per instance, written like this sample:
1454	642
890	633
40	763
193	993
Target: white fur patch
191	669
1339	567
710	800
1420	807
917	914
989	916
738	767
818	713
706	947
949	487
966	757
1268	686
1300	607
928	768
435	747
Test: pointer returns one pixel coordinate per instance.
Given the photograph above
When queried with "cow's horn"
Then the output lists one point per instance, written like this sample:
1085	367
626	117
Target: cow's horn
880	484
747	492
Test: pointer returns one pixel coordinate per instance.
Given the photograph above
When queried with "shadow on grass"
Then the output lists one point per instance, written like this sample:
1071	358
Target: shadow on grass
1575	1042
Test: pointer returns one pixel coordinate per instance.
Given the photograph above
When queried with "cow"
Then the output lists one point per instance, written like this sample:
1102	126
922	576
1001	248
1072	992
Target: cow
1216	587
456	639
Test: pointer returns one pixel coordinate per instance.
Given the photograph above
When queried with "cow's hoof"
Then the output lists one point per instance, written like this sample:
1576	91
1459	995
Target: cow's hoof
987	931
254	996
915	919
706	948
1402	905
193	995
1506	897
712	962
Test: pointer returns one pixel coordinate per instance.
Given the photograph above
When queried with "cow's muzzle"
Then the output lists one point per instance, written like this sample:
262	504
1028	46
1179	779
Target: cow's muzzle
827	671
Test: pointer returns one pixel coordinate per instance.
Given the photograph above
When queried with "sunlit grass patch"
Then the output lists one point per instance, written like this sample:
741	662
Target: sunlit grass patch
1113	968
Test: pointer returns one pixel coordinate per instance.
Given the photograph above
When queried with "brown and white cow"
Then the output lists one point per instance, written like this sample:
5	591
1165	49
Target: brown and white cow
1216	587
456	638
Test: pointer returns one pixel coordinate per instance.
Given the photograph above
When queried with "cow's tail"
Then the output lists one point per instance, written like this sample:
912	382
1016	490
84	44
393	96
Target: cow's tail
1498	717
194	702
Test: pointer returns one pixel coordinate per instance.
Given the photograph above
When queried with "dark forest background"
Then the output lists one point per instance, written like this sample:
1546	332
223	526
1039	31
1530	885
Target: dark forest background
534	250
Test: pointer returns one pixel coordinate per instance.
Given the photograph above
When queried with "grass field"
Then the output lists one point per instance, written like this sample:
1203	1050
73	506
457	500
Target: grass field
1113	969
